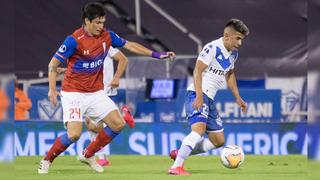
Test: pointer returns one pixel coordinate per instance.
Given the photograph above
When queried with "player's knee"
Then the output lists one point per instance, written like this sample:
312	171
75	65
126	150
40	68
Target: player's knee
74	136
192	139
219	143
119	125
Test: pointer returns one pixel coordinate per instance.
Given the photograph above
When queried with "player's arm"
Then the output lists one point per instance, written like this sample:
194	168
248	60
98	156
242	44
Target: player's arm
141	50
232	84
123	62
93	127
52	74
64	52
197	77
137	48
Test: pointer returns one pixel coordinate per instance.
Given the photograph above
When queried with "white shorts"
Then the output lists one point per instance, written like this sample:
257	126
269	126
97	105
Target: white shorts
76	106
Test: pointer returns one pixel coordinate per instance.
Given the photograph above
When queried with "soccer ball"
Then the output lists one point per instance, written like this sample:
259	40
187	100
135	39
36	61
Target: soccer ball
232	156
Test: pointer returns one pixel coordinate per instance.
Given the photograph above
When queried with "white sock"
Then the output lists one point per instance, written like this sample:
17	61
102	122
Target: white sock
92	135
203	146
101	156
187	146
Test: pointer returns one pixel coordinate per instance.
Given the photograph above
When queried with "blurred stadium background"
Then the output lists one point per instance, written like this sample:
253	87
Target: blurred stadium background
277	72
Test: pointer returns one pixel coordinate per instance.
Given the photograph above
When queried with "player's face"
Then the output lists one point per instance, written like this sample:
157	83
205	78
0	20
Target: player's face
96	25
235	40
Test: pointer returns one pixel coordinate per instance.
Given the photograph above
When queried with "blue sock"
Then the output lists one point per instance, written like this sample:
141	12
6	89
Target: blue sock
110	132
65	140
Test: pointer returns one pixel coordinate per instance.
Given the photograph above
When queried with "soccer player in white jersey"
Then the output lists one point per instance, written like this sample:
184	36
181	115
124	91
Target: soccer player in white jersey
214	66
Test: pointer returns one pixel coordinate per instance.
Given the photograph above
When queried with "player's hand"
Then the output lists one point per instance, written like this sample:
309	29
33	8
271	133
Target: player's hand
91	126
52	95
61	70
198	103
170	55
242	104
114	82
163	55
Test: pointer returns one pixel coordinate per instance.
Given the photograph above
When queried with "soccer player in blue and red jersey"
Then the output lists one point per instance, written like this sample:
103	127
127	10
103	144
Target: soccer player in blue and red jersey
82	89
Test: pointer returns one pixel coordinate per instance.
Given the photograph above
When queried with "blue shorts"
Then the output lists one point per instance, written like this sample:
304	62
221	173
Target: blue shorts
113	98
207	114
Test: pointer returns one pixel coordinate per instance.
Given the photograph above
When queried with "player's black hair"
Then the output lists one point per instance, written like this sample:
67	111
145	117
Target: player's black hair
239	26
93	10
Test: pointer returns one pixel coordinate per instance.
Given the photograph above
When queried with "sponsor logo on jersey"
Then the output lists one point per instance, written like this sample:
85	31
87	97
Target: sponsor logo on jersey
216	71
92	65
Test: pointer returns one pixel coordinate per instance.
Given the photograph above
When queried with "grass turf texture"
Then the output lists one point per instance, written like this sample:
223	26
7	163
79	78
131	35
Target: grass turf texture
155	167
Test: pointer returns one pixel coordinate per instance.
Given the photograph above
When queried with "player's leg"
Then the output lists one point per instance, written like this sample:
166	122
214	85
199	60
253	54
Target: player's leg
125	112
93	129
102	108
74	130
214	141
115	124
189	143
60	145
72	118
215	132
197	120
214	128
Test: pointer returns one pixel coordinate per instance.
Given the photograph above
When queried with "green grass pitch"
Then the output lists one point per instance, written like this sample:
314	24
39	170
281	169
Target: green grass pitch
127	167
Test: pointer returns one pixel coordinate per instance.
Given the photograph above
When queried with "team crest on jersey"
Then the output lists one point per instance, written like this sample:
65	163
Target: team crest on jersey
63	48
232	57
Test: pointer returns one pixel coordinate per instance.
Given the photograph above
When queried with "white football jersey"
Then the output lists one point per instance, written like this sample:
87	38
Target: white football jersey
108	72
219	61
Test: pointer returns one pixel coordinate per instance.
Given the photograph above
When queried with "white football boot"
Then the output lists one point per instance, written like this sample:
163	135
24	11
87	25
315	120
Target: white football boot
44	166
91	162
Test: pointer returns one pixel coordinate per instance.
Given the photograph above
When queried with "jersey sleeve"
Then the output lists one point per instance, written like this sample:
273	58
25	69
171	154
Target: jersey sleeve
207	53
67	49
116	41
112	51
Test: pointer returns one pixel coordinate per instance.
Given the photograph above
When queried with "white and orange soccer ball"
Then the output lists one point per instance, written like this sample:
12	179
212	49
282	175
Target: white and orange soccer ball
232	156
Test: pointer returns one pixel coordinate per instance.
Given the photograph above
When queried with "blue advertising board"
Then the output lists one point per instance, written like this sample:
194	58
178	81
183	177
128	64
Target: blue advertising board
35	138
263	106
